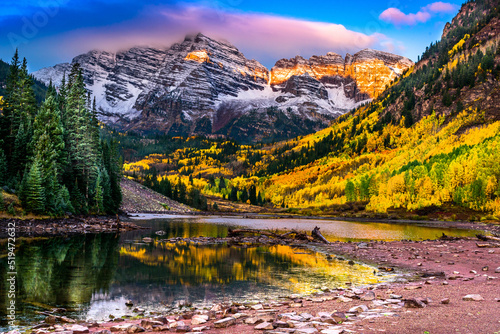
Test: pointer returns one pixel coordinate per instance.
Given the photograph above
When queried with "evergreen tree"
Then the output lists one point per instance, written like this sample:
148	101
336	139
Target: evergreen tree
3	166
35	194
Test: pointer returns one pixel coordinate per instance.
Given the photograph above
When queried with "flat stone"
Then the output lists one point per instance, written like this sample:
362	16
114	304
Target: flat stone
103	331
332	331
344	299
358	309
307	330
257	307
226	322
295	305
413	287
339	316
281	324
445	301
199	319
120	328
135	329
264	326
162	328
497	270
149	324
78	329
200	328
414	303
253	321
393	296
182	329
473	297
368	296
68	320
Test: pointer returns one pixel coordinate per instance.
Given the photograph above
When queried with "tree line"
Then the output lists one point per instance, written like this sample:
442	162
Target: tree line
52	155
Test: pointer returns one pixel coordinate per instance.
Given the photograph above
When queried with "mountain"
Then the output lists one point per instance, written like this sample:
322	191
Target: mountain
205	86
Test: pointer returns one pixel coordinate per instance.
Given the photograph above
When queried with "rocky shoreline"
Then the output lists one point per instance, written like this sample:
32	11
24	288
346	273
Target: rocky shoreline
64	226
458	292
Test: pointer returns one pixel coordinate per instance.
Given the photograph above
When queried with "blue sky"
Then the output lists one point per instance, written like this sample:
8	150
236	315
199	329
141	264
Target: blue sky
53	31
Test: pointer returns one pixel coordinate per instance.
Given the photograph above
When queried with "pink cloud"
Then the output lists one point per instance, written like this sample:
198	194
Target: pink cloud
441	7
398	18
266	38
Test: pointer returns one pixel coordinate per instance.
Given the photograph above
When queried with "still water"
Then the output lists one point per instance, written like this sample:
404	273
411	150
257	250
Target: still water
93	275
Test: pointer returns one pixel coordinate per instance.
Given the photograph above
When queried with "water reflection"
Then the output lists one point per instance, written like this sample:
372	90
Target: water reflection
93	275
332	230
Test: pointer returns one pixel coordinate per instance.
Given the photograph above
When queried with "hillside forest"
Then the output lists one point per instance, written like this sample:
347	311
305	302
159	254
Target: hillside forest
429	143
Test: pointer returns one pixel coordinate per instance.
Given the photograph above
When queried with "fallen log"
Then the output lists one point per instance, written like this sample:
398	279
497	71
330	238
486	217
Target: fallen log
318	236
487	237
291	235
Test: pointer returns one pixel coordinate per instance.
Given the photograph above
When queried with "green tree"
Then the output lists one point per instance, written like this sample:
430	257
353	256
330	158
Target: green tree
35	194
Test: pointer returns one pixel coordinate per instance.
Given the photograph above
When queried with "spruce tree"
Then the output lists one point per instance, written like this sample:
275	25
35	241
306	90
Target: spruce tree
35	195
3	166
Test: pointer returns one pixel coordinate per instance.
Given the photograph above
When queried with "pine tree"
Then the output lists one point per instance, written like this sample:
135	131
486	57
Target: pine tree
35	195
3	165
99	195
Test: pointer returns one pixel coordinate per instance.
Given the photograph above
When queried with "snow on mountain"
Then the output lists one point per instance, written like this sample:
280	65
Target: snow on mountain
201	85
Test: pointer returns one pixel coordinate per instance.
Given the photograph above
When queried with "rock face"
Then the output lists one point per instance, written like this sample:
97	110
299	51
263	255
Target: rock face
205	86
361	77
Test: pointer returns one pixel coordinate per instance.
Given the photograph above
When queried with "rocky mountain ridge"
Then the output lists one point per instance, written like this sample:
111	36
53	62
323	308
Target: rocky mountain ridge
205	86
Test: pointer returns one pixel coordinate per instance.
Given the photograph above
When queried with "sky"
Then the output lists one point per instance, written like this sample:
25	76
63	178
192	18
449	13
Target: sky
48	32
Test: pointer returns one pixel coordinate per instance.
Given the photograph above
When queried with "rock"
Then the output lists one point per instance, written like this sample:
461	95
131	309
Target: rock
445	301
134	329
413	287
104	331
257	307
414	303
67	320
358	309
149	324
497	270
201	328
226	322
393	296
253	321
473	297
129	303
78	329
120	328
295	305
323	315
339	317
52	319
280	324
162	328
182	329
368	296
306	330
445	283
199	319
264	325
485	268
344	299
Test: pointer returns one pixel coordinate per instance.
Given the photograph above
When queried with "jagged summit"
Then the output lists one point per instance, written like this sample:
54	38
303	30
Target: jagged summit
203	85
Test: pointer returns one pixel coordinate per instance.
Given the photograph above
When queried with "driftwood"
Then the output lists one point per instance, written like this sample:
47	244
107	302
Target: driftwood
487	237
291	235
318	236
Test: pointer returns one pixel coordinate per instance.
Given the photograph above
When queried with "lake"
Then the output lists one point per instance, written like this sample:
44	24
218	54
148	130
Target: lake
93	275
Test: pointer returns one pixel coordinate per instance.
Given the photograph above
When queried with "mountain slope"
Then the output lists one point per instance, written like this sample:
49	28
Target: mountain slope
205	86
